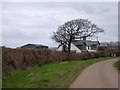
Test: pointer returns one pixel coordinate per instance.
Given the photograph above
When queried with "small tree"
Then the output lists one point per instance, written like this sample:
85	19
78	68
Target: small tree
81	28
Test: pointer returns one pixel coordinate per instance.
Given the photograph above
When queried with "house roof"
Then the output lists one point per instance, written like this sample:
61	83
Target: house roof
87	42
36	45
78	42
95	42
104	44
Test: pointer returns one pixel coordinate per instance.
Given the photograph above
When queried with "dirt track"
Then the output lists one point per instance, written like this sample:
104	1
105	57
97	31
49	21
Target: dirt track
100	75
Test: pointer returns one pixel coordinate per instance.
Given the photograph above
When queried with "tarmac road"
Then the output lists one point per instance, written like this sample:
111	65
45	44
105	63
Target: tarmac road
99	75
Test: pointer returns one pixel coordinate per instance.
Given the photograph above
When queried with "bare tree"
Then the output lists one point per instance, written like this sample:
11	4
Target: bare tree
81	28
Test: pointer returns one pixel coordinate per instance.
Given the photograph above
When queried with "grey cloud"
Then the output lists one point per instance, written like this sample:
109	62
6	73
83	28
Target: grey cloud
34	22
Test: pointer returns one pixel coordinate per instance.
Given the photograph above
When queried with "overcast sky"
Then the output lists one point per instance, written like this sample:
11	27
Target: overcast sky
24	22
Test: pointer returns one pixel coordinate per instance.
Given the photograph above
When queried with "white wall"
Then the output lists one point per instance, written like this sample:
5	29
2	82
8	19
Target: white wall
88	48
60	48
73	47
92	50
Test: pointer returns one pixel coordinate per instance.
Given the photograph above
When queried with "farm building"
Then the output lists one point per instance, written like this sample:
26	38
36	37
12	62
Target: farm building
33	46
82	46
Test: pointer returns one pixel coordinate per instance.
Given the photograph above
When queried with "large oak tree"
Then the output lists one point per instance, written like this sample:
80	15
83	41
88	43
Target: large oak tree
81	28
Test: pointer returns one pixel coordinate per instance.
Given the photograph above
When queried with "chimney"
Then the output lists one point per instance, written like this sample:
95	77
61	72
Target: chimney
84	38
73	38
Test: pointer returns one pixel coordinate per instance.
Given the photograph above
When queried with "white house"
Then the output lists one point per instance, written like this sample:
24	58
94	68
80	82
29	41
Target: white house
83	46
60	48
73	48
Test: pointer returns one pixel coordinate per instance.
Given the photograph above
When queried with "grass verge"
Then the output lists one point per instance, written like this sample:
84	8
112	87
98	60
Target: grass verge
117	64
52	75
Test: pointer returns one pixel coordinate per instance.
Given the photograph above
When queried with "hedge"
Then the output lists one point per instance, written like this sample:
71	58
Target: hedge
13	59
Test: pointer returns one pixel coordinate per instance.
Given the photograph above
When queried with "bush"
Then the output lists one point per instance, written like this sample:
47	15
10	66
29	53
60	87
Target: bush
13	59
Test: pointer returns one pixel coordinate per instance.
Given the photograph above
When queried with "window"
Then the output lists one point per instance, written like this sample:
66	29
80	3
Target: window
88	47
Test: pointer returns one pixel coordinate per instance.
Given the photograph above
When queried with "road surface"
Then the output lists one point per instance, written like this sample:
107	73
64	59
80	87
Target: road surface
99	75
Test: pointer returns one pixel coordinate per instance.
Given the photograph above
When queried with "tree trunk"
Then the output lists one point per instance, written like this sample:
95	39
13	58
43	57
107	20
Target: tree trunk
69	44
64	48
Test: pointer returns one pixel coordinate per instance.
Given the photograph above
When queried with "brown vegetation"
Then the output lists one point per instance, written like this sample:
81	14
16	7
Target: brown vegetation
13	59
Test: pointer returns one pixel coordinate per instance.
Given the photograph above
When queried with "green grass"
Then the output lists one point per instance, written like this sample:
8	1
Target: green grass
52	75
117	64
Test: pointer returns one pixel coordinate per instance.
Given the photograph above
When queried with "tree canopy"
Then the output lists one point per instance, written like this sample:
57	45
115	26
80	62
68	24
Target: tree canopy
80	28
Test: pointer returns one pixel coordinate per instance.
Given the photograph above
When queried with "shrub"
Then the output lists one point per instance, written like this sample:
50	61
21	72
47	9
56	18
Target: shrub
22	58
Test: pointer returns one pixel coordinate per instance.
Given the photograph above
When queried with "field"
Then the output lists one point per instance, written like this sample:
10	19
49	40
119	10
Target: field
52	75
